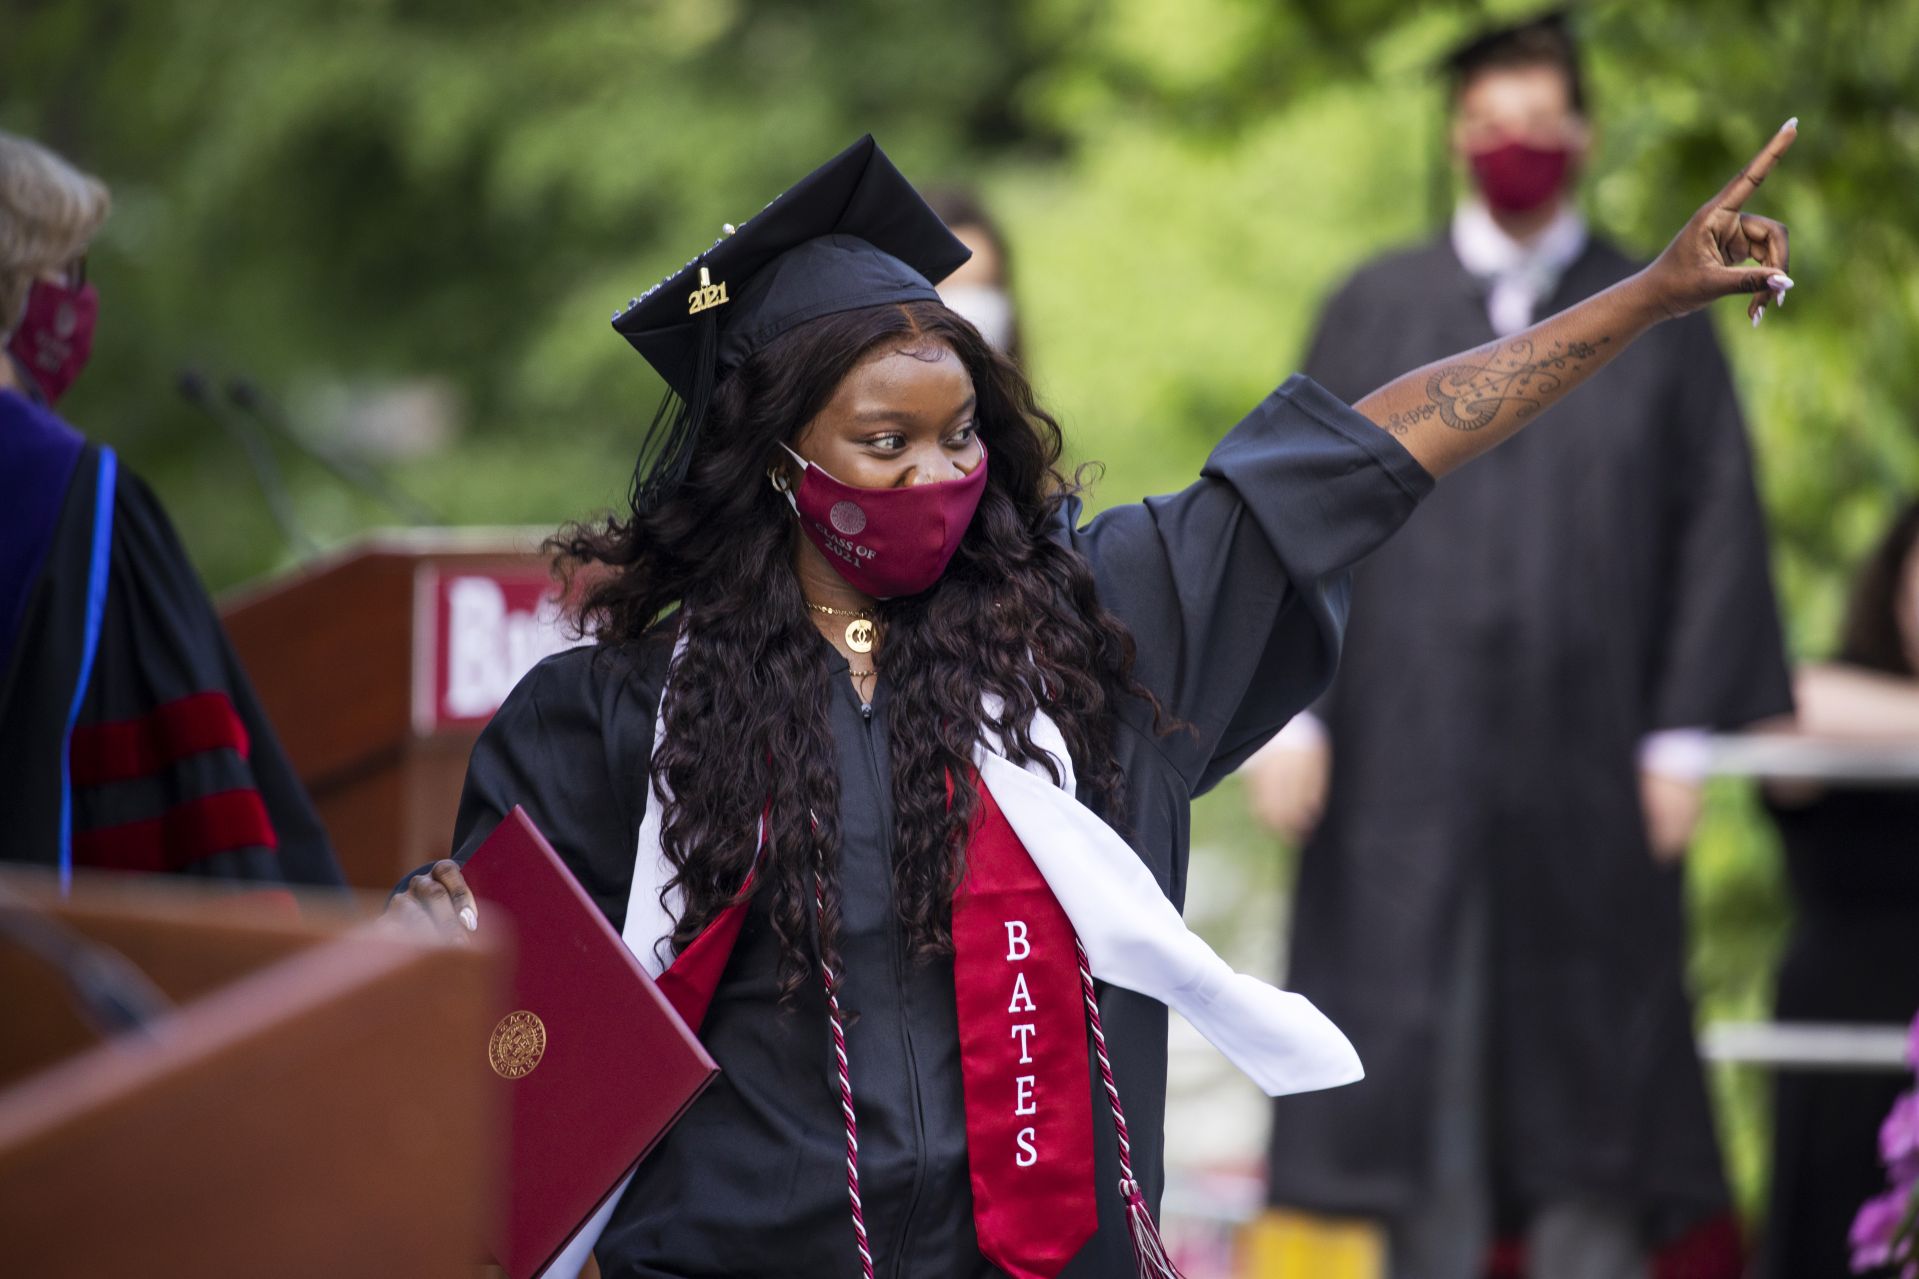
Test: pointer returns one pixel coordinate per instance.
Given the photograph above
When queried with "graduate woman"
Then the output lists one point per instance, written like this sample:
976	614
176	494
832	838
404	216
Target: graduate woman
887	761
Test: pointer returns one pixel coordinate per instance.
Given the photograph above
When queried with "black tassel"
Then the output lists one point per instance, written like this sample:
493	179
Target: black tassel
666	449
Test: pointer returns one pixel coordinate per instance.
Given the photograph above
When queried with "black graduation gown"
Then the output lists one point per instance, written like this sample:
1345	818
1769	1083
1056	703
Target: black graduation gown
1852	857
1236	592
1589	582
169	762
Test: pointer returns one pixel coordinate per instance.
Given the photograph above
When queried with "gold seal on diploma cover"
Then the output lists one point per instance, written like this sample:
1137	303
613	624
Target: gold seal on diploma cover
517	1045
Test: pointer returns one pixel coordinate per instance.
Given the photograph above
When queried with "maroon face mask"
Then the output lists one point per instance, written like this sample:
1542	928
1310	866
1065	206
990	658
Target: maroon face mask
885	542
55	335
1517	178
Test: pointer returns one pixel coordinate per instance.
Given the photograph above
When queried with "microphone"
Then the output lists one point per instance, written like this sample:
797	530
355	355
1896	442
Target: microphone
247	396
109	993
196	390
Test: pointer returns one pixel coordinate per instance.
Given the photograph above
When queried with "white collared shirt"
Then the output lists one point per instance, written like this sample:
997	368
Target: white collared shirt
1520	275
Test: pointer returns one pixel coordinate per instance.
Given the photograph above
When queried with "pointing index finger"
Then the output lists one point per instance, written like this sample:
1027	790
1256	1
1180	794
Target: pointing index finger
1748	179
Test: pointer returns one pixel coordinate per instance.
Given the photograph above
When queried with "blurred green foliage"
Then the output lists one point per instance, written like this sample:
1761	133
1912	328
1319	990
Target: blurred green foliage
318	191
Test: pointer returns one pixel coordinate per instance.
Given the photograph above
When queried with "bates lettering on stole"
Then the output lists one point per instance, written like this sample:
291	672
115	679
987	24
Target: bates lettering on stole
1018	948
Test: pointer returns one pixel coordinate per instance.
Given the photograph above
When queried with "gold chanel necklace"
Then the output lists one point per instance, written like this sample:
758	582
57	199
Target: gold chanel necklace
860	632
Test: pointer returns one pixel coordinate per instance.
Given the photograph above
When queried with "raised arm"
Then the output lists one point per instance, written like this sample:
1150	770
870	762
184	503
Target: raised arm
1452	410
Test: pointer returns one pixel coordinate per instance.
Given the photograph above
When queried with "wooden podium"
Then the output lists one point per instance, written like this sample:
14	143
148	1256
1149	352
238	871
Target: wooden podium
315	1104
379	664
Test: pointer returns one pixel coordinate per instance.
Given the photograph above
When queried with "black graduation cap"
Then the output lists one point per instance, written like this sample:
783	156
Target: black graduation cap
852	233
1474	51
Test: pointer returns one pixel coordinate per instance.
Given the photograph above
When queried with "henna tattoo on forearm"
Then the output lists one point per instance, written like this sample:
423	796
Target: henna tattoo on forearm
1470	394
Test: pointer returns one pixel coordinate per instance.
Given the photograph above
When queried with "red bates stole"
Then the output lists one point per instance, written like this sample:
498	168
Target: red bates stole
1022	1032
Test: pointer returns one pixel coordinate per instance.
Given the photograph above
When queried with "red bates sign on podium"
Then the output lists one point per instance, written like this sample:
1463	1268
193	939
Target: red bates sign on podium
475	633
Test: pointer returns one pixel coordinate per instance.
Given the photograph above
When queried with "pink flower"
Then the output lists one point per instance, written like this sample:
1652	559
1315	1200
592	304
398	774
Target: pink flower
1899	1137
1872	1230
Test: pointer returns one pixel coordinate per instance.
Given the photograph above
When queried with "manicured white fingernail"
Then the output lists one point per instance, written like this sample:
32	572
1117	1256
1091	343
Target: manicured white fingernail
1779	280
467	917
1790	124
1758	316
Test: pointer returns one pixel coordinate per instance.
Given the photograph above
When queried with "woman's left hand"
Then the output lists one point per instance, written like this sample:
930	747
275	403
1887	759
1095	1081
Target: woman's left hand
437	901
1705	261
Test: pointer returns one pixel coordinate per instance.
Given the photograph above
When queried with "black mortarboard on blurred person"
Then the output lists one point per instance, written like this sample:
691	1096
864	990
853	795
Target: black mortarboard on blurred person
853	233
1543	37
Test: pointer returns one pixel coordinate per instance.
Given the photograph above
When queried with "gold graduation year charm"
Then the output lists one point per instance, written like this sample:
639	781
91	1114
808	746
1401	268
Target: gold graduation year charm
859	635
707	296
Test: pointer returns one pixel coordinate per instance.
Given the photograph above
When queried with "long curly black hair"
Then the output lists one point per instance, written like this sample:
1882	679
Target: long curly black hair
746	717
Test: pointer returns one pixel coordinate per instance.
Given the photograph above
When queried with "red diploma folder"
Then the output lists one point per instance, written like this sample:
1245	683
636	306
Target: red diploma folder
594	1063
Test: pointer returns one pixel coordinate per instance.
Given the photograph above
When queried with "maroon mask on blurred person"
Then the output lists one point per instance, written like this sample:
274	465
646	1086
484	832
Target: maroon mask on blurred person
1516	177
55	335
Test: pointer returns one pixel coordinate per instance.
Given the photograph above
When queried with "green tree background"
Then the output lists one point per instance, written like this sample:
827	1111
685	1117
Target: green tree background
340	192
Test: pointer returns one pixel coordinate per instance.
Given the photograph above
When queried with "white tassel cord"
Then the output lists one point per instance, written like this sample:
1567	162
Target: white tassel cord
1149	1250
846	1095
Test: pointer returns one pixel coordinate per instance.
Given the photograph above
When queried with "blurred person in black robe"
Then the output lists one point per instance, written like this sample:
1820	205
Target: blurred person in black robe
1495	793
129	736
1852	858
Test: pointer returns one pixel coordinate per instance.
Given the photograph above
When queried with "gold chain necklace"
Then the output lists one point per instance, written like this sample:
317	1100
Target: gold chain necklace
860	632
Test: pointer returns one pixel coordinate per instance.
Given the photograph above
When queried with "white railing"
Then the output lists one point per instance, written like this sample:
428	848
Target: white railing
1807	1046
1834	761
